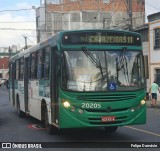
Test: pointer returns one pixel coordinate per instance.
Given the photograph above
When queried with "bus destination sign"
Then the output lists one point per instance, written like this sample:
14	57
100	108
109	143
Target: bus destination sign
101	38
108	39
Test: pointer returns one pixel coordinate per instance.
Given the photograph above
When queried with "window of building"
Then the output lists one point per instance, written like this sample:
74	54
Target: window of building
37	21
54	1
46	62
106	1
157	38
157	76
49	35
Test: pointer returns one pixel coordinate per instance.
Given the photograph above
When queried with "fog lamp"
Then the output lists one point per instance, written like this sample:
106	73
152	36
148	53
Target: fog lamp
132	109
73	109
80	111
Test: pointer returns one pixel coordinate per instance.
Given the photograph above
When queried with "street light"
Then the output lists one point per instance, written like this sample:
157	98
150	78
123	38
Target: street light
33	7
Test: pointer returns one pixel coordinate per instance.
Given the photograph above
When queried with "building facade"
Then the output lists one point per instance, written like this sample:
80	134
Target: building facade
154	47
56	15
4	67
5	54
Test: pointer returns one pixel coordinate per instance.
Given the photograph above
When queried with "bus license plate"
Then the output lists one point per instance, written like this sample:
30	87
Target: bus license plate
108	118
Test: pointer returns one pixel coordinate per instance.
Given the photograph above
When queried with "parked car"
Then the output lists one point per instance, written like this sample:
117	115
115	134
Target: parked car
2	81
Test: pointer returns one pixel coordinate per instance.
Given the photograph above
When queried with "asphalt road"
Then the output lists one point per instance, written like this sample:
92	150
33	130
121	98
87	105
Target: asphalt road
28	129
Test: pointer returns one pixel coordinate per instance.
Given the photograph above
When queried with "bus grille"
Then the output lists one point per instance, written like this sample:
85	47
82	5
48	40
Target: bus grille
104	111
106	98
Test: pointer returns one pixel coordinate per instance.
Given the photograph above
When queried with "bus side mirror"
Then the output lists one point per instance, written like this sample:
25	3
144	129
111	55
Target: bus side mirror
146	67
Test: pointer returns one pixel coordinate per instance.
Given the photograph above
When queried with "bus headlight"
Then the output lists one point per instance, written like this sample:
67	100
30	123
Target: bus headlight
143	102
66	104
73	108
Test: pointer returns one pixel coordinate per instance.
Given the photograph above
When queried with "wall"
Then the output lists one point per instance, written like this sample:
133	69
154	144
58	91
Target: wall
154	53
88	14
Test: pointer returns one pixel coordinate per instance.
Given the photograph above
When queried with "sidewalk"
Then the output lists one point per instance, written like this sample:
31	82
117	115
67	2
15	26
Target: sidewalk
148	103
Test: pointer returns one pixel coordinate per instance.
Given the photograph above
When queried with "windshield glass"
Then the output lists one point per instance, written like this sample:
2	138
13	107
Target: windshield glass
102	70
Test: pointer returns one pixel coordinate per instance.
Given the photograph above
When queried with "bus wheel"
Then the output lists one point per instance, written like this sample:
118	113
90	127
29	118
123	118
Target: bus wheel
19	112
50	128
111	129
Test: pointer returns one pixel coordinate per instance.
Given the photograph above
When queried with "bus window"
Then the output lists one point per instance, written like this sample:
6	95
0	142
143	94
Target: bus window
33	66
21	68
46	63
17	69
39	65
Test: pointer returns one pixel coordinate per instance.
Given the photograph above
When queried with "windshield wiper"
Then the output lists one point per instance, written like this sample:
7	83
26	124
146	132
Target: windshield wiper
97	63
121	63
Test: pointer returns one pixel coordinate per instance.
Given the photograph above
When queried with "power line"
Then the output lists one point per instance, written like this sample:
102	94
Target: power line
15	22
113	13
152	6
14	29
108	18
30	40
11	10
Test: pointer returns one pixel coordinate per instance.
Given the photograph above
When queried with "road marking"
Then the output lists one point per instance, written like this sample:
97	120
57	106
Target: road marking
143	131
36	126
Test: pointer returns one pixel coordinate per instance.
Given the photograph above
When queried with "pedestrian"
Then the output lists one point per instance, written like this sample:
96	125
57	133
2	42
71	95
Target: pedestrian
154	88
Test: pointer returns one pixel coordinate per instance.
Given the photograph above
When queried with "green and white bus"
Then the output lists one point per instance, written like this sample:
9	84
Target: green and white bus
80	79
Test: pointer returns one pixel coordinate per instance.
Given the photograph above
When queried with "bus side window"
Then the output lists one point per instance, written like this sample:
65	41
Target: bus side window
17	69
46	63
33	66
39	65
21	68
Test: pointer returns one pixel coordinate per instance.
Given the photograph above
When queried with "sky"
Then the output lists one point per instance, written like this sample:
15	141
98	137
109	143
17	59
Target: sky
12	21
22	19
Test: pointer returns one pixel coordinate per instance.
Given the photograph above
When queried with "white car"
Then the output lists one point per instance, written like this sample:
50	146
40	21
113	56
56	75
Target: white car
2	81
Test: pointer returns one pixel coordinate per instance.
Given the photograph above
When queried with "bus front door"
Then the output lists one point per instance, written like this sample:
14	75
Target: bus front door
13	66
54	87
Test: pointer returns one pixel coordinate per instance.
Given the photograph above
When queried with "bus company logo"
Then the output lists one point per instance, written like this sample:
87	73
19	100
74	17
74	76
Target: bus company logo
108	109
6	145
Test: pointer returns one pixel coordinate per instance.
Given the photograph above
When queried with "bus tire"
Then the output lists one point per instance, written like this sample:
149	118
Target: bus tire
19	112
111	129
49	128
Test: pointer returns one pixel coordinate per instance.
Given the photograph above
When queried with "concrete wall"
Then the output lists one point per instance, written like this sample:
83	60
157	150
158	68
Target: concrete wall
58	21
87	14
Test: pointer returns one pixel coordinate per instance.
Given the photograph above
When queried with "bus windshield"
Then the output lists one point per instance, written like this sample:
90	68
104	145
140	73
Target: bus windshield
86	70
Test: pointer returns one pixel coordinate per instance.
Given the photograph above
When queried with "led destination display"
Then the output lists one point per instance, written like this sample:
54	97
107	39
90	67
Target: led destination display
101	38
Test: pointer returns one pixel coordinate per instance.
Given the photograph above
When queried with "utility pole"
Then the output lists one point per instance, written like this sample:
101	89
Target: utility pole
25	42
9	49
141	12
129	11
45	11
